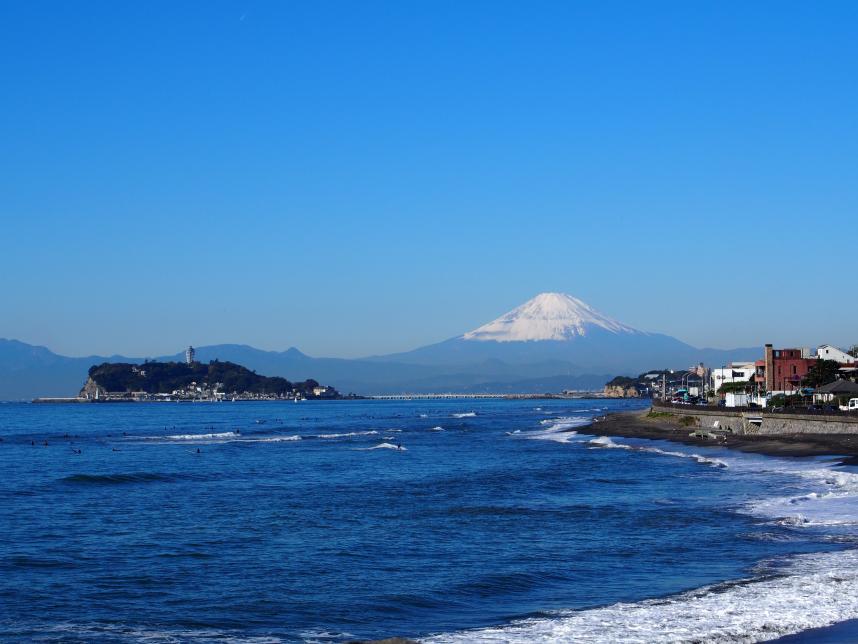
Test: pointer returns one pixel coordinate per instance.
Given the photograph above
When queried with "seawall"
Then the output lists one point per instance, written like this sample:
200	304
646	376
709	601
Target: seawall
765	423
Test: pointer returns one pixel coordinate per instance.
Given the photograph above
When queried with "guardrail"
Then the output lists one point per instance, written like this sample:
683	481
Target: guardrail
809	410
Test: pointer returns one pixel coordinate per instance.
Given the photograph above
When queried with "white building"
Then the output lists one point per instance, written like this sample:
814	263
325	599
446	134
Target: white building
736	400
189	355
734	372
827	352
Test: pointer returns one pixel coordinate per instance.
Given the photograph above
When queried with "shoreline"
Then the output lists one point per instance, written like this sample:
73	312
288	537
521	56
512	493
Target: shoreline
637	424
844	447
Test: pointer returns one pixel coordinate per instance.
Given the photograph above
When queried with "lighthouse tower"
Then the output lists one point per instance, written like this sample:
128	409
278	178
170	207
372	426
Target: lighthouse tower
189	355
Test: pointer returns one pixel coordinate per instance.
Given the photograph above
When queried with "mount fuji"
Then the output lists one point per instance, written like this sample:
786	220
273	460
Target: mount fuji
556	330
551	342
548	316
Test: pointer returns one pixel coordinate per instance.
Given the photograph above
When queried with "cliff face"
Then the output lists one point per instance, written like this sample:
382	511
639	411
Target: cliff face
91	390
618	391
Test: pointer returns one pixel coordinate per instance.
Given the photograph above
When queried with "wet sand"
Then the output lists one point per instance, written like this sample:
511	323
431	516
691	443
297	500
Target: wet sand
835	634
638	424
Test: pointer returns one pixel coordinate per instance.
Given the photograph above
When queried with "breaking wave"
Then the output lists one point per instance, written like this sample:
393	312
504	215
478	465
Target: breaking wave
195	437
398	448
809	591
271	439
344	435
832	501
559	430
238	437
605	441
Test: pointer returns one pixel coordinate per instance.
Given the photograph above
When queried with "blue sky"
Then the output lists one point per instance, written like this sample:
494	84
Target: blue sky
356	178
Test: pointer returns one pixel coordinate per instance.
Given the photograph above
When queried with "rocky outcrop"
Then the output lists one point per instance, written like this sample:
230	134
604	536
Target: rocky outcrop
618	391
91	390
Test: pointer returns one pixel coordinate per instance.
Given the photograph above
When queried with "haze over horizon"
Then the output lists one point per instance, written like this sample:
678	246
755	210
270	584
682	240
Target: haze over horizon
355	180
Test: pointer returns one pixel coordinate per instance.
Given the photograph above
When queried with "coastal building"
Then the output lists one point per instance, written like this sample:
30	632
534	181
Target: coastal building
190	353
783	369
850	372
828	352
733	372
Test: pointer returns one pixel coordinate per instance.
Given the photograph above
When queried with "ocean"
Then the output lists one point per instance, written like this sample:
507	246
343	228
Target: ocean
445	521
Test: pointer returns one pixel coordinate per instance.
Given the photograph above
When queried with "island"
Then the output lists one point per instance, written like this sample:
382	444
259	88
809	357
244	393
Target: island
191	381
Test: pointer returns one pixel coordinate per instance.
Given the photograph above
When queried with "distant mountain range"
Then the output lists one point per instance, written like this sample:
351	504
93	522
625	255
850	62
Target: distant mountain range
550	343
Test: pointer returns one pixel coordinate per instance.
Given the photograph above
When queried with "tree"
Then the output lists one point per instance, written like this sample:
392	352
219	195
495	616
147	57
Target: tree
822	373
735	388
621	381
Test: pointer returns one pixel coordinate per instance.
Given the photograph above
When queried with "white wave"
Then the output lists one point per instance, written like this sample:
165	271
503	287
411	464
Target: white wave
347	434
811	591
607	442
195	437
832	501
557	437
564	422
424	415
398	448
558	430
324	637
437	428
467	414
272	439
96	632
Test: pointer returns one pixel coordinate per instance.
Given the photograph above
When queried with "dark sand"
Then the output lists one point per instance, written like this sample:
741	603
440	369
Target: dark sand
834	634
637	424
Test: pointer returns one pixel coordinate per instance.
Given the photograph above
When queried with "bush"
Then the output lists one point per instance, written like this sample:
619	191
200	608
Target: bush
659	414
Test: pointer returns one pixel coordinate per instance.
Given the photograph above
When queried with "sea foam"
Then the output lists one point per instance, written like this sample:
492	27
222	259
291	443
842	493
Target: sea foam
195	437
832	499
607	442
559	430
398	448
809	591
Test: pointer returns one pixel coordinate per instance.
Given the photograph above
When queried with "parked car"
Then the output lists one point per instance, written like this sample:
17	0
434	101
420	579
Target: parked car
852	405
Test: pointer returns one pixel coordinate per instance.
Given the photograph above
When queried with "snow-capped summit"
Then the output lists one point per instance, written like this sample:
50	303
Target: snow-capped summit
548	316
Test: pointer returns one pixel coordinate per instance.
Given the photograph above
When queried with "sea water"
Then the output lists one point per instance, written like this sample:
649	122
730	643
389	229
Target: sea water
451	521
